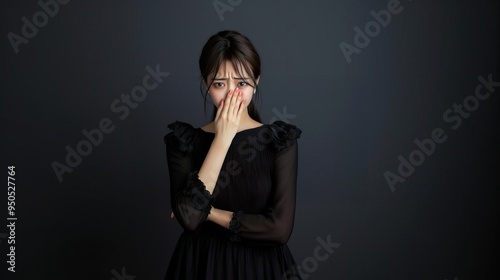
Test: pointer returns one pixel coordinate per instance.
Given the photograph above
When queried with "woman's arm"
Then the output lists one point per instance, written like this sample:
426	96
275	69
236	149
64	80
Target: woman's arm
226	124
192	196
276	223
210	169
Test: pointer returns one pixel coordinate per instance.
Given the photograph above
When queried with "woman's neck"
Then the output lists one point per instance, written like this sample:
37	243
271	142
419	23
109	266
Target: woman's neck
246	121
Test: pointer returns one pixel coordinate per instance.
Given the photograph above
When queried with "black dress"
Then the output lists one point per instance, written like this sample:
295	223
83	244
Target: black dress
257	182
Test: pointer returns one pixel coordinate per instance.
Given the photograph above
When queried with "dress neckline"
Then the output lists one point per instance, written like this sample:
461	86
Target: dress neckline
239	132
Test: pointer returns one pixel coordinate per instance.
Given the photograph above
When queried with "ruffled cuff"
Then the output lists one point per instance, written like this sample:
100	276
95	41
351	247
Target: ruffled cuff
234	227
203	200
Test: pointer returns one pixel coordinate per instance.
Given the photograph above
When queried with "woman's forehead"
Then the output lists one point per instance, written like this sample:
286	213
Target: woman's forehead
226	68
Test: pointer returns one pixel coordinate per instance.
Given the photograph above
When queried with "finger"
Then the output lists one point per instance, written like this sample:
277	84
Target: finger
227	102
241	108
172	215
238	103
233	102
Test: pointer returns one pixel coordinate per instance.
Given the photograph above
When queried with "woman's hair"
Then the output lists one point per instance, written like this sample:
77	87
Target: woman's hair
231	46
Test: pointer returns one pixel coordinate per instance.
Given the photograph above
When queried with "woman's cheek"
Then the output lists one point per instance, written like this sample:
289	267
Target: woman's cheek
247	98
216	99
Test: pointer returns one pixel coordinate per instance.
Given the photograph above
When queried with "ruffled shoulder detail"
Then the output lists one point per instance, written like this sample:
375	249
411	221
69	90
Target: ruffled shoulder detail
181	137
284	134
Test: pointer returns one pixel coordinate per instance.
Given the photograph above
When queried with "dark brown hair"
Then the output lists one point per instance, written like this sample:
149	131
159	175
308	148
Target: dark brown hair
228	45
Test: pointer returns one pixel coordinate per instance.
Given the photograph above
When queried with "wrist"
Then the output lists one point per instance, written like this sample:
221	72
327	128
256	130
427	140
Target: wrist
210	214
222	142
220	217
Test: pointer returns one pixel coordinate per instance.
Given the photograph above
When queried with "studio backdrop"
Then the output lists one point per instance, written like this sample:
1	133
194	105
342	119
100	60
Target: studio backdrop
397	102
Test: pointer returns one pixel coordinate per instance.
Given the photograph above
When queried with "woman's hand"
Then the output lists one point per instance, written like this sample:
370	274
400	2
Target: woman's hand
227	119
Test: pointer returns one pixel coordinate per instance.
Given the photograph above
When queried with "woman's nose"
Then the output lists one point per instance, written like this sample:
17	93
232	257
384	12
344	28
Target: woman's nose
235	88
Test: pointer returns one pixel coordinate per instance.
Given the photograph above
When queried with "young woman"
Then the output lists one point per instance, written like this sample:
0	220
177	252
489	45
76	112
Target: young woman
232	181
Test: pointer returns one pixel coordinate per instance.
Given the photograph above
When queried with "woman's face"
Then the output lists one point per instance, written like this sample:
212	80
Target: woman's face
227	79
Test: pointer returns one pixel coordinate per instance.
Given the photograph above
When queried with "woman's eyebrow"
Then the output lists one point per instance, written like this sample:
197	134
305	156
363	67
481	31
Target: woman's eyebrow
236	78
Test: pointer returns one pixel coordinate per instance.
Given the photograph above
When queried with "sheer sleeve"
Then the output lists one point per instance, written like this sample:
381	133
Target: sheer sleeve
190	200
276	223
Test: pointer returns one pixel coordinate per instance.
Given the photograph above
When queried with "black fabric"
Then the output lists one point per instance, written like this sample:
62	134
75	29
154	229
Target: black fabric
257	183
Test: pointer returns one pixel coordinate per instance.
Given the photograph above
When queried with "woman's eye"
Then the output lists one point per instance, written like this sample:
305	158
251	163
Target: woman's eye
218	84
242	84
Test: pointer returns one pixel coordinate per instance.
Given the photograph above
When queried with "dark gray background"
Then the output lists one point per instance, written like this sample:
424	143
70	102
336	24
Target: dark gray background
112	211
